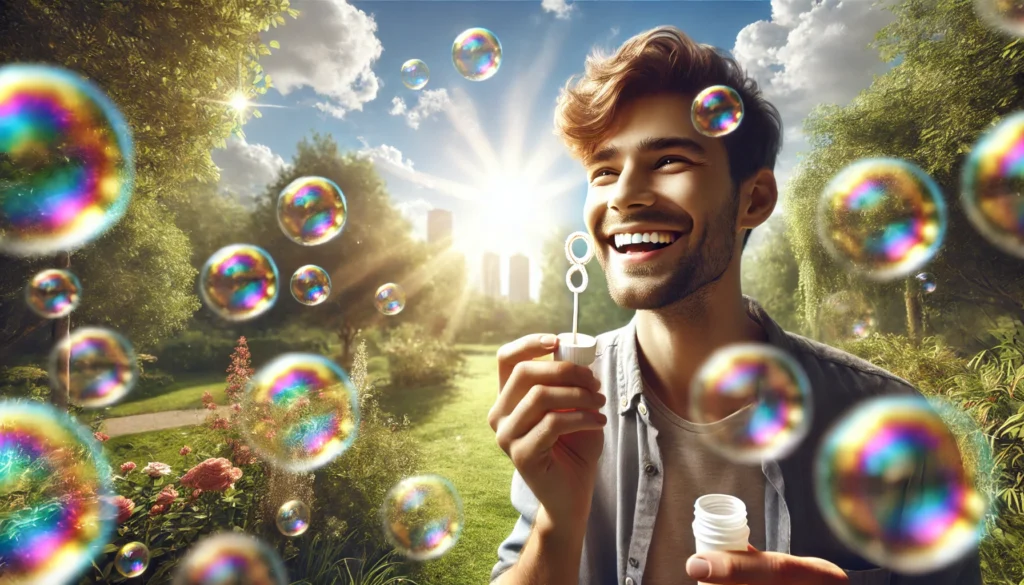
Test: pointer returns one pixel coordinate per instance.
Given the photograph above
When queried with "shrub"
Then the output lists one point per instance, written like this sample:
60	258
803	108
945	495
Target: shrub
291	339
195	351
415	359
29	382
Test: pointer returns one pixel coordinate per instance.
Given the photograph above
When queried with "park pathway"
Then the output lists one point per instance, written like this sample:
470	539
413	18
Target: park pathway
158	421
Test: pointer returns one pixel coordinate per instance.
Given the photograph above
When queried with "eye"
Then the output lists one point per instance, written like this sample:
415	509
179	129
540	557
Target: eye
672	159
601	173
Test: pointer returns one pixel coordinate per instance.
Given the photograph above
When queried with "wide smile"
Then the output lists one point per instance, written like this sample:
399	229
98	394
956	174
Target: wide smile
642	246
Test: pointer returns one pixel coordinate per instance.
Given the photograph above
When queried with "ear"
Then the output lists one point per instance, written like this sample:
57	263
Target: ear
758	196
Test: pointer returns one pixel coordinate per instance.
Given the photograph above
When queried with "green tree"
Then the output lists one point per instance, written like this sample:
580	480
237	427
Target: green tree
770	274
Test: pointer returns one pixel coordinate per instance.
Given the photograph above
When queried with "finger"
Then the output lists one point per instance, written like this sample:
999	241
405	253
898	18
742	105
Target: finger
529	374
531	448
762	568
752	548
541	400
523	349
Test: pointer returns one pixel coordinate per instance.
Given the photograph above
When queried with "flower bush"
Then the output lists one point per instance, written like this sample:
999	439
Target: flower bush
415	359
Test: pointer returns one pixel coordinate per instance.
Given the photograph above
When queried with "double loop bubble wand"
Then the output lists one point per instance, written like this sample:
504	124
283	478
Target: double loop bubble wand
577	264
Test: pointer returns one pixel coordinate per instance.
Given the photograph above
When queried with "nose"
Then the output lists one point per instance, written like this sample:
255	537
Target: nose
632	190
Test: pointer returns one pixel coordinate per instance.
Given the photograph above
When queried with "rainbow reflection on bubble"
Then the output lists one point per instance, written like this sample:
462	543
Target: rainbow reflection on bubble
883	218
102	367
72	160
55	511
389	299
1005	15
758	397
132	560
301	412
476	54
311	210
228	559
292	518
422	517
717	111
415	74
927	282
53	293
891	485
992	185
239	282
311	285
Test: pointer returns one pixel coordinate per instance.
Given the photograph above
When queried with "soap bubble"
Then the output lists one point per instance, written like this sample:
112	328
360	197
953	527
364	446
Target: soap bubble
476	54
102	367
311	210
927	282
53	293
422	517
992	186
55	509
761	395
301	412
891	485
293	518
1005	15
132	560
844	316
231	558
311	285
239	282
862	328
72	162
717	111
390	299
415	74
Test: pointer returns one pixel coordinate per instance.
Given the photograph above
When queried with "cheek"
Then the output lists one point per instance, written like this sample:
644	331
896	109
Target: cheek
592	211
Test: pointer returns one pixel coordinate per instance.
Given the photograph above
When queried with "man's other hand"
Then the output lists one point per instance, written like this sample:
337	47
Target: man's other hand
754	567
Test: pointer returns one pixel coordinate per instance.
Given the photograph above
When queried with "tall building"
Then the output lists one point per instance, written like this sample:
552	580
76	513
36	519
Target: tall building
519	278
439	226
492	275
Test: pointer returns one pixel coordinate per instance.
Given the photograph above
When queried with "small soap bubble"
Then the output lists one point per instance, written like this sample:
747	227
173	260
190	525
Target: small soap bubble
717	111
102	367
239	282
301	412
56	513
53	293
231	558
1005	15
992	185
476	54
927	282
70	161
415	74
891	484
863	328
132	560
311	285
761	396
843	316
883	218
312	210
422	517
390	299
293	518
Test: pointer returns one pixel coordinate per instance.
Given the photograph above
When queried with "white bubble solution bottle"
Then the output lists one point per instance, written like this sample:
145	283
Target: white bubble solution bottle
720	523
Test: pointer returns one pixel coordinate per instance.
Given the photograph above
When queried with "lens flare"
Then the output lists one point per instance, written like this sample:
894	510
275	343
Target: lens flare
53	293
239	282
101	367
422	517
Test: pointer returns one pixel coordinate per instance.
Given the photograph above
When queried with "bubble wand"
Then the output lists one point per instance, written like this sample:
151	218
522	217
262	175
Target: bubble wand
577	347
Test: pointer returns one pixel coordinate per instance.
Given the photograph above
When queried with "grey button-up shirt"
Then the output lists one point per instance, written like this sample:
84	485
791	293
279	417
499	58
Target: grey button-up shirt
629	482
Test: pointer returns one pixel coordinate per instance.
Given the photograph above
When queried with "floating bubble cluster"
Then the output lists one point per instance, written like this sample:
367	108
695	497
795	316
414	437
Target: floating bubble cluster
230	558
476	54
72	163
311	285
53	293
390	299
992	185
239	282
891	485
301	412
1005	15
132	560
312	210
422	517
927	282
760	396
101	367
415	74
717	111
293	518
883	218
55	513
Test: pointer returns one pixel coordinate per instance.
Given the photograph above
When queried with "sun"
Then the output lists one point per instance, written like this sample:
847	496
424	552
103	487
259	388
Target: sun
239	102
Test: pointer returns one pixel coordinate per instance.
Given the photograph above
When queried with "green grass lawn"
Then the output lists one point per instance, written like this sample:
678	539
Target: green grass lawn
182	395
162	446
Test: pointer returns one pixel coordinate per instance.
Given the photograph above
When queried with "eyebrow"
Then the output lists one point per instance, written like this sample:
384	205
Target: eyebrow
650	144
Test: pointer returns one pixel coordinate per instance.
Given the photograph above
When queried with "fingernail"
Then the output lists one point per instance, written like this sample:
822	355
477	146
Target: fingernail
548	341
698	568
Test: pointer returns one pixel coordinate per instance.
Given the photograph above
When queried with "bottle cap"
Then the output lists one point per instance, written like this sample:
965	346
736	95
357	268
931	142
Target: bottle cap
581	353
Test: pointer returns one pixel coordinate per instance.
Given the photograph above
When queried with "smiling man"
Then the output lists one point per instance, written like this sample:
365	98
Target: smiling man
607	465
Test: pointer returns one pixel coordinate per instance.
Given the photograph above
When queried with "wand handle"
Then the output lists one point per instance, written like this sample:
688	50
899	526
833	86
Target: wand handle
575	315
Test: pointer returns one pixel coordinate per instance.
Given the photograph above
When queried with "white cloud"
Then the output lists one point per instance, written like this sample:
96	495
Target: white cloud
330	47
431	101
560	8
385	153
246	169
416	212
613	32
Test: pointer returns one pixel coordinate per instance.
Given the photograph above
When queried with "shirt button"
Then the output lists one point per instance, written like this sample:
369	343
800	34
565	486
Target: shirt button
633	562
624	402
629	581
642	408
650	469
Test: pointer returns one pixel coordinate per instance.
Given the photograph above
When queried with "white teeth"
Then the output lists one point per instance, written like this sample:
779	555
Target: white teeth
638	238
646	238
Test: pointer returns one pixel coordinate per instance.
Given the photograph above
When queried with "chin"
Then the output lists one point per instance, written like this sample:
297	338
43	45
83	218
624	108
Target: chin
643	296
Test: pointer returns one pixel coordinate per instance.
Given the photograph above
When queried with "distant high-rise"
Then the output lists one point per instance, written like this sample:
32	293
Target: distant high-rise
439	226
492	275
519	278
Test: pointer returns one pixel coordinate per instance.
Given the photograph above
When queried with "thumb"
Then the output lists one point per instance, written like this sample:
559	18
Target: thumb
751	567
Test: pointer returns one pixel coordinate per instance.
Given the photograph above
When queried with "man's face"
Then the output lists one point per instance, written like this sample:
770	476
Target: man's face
655	174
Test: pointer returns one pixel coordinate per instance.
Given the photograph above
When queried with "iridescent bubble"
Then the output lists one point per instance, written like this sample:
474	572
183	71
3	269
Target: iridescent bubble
883	218
132	560
101	366
239	282
311	285
390	299
843	316
311	210
53	293
476	54
71	165
422	517
992	185
758	396
927	282
863	328
891	485
301	411
717	111
415	74
56	514
1005	15
293	518
231	558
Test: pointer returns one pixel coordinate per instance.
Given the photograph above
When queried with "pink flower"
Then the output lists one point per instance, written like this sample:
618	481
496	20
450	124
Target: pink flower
101	437
242	454
207	397
196	494
128	467
157	510
156	469
219	423
166	496
237	407
211	406
125	507
212	475
185	450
